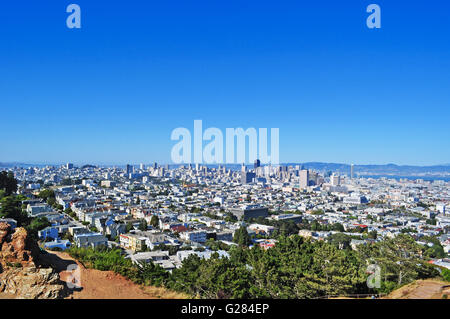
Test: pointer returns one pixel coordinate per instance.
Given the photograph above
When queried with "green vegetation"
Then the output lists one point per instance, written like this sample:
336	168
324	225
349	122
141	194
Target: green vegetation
446	274
142	225
435	251
47	194
400	260
229	217
282	227
373	234
70	212
11	207
241	237
36	225
216	245
294	268
154	221
421	204
317	212
112	259
128	227
8	184
341	241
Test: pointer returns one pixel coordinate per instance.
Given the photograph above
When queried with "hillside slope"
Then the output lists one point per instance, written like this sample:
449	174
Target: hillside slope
422	289
96	284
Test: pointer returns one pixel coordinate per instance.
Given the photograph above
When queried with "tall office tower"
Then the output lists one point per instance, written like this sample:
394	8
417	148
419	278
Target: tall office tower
313	178
257	164
243	168
304	178
259	171
167	167
142	167
247	177
335	180
155	165
69	166
351	171
197	167
267	170
129	169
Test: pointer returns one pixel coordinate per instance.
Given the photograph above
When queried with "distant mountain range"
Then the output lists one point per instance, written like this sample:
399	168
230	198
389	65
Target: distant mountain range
385	169
12	164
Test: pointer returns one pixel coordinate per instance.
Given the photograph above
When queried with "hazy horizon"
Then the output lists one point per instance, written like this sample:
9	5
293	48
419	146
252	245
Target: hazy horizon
204	164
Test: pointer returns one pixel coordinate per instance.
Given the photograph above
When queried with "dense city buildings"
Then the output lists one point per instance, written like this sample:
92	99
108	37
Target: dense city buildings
186	208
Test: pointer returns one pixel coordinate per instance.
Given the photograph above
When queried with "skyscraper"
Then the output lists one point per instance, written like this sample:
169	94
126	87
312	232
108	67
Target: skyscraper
304	178
335	180
129	169
351	171
247	177
257	163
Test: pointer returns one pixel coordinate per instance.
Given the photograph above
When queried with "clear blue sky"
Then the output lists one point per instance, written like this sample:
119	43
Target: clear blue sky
113	91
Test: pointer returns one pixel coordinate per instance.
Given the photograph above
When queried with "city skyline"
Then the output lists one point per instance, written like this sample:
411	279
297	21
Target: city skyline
147	163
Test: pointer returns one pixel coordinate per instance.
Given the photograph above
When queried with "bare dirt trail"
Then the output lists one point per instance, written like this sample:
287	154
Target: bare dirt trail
96	284
422	289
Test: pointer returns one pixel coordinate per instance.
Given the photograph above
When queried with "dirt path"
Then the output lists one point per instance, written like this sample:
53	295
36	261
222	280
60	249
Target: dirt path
96	284
422	289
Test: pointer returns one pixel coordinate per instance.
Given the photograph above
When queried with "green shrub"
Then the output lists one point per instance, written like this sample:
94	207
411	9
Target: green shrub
446	274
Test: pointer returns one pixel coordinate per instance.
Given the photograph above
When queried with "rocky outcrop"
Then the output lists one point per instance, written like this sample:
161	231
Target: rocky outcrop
19	275
13	246
4	231
31	283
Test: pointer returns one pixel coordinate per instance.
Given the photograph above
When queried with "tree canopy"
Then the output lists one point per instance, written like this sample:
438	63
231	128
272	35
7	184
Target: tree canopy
154	221
8	183
294	268
241	237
